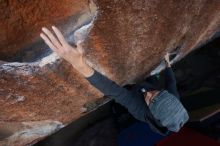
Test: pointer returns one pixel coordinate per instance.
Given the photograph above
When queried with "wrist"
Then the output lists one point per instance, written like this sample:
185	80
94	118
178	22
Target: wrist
86	70
167	64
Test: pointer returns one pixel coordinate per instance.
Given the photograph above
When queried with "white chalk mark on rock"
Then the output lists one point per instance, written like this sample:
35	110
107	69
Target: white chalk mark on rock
30	131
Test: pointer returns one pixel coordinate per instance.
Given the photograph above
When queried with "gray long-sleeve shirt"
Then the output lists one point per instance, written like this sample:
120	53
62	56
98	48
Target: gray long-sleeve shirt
133	99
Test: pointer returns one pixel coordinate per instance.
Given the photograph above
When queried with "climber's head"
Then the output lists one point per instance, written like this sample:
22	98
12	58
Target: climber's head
167	109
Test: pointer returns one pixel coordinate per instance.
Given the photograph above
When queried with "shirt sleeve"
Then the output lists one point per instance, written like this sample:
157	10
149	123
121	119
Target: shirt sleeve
136	106
170	82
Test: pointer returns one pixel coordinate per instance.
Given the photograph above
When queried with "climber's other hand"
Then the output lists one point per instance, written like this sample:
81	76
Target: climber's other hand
167	59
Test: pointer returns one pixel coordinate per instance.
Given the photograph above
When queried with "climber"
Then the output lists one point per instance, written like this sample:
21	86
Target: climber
160	108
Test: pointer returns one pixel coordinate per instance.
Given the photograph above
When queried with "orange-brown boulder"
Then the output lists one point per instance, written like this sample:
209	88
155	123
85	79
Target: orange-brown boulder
125	40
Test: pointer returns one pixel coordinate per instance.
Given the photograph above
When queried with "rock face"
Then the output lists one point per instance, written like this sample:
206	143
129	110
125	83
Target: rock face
135	34
126	39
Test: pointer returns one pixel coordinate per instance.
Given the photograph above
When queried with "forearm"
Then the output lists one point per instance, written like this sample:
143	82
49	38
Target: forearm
101	82
169	76
136	106
105	85
170	82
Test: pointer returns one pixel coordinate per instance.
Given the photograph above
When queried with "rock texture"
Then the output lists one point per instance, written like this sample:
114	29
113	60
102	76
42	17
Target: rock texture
135	34
127	40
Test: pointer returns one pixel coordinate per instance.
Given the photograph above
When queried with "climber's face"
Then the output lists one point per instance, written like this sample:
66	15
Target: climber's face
149	96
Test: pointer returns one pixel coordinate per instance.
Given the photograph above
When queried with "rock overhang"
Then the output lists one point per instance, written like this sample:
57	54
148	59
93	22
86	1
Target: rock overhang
126	40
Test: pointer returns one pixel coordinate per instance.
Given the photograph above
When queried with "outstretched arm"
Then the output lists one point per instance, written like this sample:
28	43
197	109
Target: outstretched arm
75	56
170	81
136	106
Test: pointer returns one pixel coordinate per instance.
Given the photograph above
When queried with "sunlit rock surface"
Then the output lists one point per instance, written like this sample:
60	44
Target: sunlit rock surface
125	39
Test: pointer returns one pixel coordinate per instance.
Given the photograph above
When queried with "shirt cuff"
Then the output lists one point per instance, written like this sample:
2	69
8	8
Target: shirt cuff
94	77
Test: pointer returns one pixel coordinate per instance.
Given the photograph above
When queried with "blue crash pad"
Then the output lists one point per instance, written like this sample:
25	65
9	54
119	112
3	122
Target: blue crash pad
138	134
